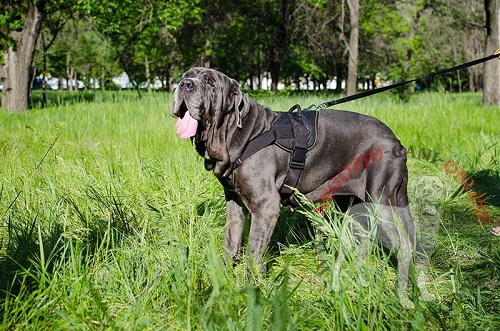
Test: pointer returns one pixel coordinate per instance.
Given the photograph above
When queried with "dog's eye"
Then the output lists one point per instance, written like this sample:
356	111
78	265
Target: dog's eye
208	79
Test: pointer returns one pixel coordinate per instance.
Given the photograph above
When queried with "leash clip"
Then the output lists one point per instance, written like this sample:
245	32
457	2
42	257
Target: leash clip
497	52
311	107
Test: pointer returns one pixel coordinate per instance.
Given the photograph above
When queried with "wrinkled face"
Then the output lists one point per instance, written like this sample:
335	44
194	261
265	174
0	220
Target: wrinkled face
203	96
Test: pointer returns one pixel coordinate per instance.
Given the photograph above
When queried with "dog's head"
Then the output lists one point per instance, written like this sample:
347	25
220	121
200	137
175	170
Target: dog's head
210	107
206	97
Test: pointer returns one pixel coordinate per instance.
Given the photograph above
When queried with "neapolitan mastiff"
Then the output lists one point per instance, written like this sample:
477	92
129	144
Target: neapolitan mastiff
222	120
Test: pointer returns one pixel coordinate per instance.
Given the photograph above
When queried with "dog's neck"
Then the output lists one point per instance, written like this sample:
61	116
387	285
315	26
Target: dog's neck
226	145
259	119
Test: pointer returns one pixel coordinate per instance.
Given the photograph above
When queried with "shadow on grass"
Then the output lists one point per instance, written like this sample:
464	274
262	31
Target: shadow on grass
30	252
293	228
26	246
488	182
473	255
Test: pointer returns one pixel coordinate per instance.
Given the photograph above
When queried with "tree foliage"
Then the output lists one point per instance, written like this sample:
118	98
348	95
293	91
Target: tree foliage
287	41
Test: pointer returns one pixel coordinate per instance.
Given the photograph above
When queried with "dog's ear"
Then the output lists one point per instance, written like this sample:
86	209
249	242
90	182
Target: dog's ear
238	106
239	100
228	108
213	112
217	105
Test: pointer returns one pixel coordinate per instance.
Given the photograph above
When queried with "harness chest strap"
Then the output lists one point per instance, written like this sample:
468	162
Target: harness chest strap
299	134
297	159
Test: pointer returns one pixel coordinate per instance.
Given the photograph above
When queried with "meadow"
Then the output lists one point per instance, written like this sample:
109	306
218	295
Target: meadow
108	221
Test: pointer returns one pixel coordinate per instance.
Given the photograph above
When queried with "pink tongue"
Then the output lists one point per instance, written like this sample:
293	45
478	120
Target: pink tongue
186	126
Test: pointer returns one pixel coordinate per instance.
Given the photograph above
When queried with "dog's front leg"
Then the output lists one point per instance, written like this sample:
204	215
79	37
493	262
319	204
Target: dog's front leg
264	211
235	220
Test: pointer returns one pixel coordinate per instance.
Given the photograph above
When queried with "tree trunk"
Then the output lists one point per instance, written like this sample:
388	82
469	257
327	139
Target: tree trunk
491	76
352	74
282	41
75	80
473	50
69	73
459	77
44	72
421	7
274	69
19	60
148	75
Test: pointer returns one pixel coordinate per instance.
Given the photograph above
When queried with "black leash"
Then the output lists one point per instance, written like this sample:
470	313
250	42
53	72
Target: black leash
389	87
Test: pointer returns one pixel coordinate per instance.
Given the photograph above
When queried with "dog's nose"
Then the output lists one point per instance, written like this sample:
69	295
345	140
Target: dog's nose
186	84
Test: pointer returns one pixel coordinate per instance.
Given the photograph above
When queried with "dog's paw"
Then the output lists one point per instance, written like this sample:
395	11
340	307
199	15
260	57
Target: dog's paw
336	278
336	286
404	300
426	296
421	284
362	281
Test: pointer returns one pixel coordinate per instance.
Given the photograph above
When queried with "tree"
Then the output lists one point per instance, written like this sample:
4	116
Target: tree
491	77
353	47
281	21
140	30
235	39
23	23
317	52
288	40
78	52
21	26
125	29
53	25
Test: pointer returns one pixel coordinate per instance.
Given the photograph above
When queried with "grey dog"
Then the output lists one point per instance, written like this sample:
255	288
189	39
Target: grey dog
222	120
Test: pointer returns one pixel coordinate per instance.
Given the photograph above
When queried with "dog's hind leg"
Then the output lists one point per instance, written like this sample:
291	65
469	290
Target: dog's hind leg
396	228
404	257
336	269
395	234
363	226
420	257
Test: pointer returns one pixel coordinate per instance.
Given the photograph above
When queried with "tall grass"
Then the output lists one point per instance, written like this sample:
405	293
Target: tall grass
121	227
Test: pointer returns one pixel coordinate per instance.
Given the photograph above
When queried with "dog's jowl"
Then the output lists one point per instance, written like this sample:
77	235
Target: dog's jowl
257	154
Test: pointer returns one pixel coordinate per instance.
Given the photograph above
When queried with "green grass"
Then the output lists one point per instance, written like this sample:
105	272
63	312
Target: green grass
121	228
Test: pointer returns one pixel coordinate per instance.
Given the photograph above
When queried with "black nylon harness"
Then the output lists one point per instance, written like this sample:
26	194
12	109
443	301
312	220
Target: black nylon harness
292	132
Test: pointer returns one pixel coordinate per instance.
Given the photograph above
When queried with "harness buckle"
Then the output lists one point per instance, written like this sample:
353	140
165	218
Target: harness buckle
298	160
237	163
